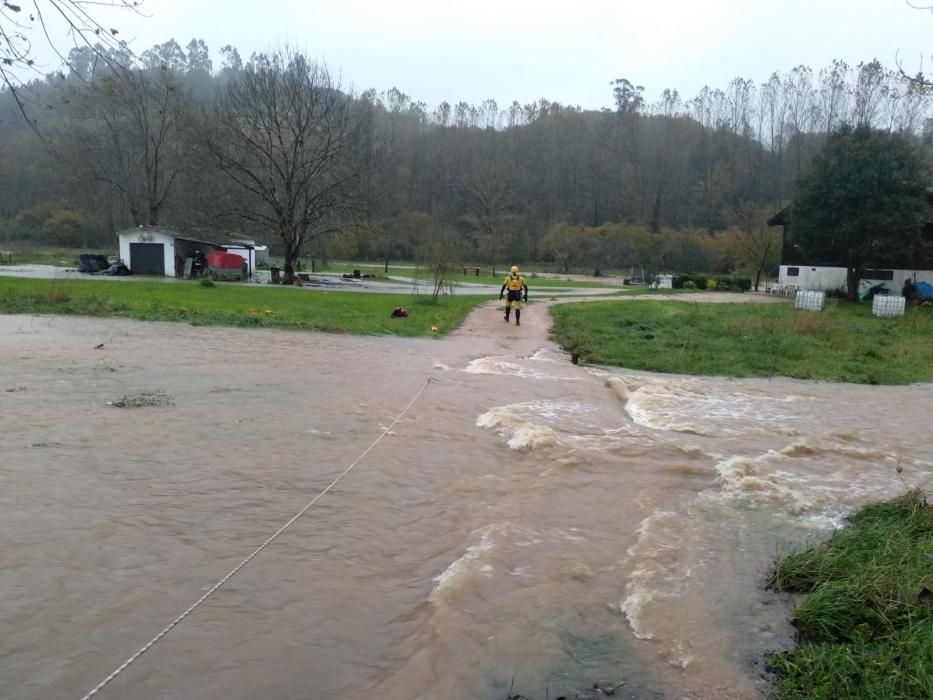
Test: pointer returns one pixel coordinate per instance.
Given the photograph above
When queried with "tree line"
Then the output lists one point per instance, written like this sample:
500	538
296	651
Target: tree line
276	148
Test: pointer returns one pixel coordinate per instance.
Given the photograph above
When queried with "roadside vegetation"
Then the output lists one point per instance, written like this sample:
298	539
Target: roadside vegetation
866	624
843	343
234	305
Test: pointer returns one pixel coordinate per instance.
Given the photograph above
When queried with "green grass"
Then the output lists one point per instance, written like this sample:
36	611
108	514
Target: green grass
844	342
866	625
234	305
62	257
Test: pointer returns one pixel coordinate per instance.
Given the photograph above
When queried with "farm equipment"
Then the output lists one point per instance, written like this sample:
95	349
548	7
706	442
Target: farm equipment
224	265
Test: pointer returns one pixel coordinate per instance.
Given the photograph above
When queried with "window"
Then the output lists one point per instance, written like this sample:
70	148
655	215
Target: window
793	272
886	275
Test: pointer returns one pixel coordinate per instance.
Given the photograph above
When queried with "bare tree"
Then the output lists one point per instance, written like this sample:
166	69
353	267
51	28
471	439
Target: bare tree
798	88
759	245
834	94
127	130
441	254
871	89
286	135
774	107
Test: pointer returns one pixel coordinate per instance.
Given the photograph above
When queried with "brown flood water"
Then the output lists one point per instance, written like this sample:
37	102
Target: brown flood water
528	519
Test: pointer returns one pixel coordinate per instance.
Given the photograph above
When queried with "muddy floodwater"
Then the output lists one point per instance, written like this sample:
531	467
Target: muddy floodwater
528	521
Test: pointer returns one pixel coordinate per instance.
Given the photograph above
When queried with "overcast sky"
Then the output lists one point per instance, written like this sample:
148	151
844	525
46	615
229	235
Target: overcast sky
525	49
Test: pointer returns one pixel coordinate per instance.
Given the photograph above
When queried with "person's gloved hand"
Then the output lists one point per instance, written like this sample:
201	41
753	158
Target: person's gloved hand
526	296
500	297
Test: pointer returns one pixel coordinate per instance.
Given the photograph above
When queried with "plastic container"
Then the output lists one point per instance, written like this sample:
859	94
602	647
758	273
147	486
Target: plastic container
887	306
810	301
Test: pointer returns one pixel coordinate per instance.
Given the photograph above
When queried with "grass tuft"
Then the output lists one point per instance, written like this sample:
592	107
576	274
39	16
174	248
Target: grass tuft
866	625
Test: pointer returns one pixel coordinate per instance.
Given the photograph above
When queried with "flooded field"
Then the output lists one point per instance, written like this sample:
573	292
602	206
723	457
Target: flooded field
528	521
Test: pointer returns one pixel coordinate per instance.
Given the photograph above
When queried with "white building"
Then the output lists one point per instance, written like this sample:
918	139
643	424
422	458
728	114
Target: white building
794	273
824	279
157	250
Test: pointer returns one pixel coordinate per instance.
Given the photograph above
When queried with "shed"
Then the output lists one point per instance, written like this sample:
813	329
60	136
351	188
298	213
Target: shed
158	250
148	250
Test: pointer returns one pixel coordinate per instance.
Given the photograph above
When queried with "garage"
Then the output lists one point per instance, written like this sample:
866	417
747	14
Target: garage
148	250
147	258
159	250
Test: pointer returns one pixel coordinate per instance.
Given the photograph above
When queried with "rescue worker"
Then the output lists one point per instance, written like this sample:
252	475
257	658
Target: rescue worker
515	285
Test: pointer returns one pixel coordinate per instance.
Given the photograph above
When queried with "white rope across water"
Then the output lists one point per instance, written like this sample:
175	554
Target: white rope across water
213	589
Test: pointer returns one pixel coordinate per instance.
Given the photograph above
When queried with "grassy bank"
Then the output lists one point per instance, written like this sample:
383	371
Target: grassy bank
866	625
234	305
842	343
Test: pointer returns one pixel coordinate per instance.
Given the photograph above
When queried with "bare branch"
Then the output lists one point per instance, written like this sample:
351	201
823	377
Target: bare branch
22	32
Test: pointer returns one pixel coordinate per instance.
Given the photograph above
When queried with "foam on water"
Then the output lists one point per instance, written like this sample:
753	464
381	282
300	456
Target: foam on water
538	424
498	547
471	562
537	366
688	406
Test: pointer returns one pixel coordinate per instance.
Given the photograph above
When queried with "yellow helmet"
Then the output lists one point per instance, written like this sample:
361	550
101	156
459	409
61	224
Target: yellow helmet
514	269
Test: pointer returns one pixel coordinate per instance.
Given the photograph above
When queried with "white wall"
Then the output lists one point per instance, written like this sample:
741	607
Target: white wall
818	279
148	235
823	279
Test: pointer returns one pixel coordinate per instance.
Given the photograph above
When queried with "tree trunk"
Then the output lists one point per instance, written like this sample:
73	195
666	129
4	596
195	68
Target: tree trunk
761	266
655	225
852	279
387	265
292	252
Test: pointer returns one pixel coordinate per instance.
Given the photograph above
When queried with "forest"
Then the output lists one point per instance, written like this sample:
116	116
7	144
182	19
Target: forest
277	149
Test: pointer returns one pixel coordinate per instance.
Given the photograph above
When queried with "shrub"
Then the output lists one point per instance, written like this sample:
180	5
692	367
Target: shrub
64	228
697	281
56	223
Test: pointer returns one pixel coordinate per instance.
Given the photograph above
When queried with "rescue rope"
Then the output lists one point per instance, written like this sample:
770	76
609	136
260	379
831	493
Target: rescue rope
194	606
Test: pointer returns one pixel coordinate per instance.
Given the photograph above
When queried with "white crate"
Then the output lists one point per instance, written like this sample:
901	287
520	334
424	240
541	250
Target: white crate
887	306
811	301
